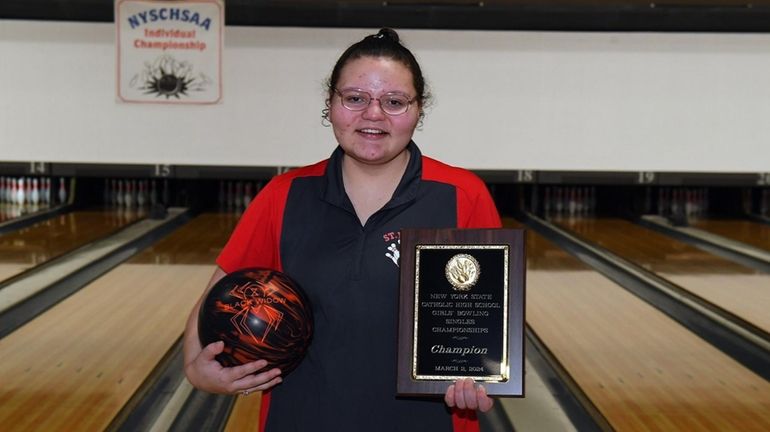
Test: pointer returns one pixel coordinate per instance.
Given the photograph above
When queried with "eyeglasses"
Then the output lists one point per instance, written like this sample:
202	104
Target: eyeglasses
391	103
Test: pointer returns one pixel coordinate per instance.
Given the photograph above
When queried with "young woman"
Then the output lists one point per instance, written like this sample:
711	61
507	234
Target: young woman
334	228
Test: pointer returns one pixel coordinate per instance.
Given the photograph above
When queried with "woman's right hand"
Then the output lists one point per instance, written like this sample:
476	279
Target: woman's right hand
206	373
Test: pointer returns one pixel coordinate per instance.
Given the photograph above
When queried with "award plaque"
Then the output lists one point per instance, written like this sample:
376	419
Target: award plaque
461	310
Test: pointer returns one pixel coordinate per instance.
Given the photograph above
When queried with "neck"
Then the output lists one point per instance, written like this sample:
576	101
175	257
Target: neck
370	187
355	170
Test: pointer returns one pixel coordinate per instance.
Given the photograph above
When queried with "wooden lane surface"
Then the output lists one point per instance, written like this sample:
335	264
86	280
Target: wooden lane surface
736	288
642	370
48	239
744	231
74	367
245	414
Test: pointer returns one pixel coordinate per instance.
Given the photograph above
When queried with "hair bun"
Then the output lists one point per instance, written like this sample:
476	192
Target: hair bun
388	33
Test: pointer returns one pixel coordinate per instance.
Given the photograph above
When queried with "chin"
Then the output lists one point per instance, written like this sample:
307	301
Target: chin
370	159
366	151
373	153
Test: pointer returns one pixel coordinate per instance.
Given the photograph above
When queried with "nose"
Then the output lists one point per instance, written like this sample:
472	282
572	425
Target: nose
374	111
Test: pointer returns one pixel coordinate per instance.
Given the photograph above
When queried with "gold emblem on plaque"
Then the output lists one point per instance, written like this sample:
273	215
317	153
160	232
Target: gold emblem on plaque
462	271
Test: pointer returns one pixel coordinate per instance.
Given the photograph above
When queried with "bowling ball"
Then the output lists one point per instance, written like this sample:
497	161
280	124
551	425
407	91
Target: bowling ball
259	314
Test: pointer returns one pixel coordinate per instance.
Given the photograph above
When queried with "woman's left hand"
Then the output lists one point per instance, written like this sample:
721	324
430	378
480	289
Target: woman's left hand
464	394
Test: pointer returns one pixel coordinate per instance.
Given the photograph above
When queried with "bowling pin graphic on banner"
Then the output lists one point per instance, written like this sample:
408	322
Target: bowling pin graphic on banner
169	52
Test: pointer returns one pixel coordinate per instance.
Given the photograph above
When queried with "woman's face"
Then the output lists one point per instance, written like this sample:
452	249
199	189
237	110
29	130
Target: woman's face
371	136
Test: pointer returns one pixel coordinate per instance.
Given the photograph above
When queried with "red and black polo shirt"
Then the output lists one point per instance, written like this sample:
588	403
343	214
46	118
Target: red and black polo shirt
304	224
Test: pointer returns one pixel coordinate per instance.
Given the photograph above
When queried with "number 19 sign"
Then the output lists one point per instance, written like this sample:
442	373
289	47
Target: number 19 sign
169	52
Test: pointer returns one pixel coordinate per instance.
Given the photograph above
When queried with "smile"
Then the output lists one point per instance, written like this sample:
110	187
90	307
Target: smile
372	131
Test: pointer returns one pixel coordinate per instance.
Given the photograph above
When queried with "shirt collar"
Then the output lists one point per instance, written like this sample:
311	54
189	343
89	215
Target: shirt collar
334	189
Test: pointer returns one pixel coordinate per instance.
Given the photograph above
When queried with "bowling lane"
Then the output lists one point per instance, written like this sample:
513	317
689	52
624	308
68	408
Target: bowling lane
245	413
74	367
642	370
733	287
28	247
744	231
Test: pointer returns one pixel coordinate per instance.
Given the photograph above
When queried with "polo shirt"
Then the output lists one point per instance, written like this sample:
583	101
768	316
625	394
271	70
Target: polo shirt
303	223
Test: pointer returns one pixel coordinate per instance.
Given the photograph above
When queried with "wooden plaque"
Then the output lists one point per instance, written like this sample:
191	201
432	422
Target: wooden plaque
461	310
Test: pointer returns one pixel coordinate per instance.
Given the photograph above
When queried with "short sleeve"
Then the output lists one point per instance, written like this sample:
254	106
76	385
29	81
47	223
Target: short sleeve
255	240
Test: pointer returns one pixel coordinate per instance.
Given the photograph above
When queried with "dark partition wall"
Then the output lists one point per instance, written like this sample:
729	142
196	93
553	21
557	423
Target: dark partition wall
562	15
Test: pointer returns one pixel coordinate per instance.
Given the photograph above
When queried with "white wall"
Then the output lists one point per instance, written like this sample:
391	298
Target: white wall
503	100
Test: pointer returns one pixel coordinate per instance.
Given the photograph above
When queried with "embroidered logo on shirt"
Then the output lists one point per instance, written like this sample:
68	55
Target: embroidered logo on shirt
393	253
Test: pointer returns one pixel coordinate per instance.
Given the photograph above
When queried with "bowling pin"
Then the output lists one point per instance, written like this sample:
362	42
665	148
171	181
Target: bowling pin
35	196
119	194
557	200
20	192
674	201
572	202
582	205
140	198
46	192
246	194
62	190
28	191
10	196
128	199
688	208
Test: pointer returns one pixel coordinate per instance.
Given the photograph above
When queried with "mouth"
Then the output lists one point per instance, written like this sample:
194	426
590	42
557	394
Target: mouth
372	132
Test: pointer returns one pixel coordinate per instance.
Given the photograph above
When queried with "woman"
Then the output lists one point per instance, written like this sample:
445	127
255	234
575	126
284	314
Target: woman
334	227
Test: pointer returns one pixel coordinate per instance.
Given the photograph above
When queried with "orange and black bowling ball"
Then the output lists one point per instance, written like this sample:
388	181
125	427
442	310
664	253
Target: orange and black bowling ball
259	314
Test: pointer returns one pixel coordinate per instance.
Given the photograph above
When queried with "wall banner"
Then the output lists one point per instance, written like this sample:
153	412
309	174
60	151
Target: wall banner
169	51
